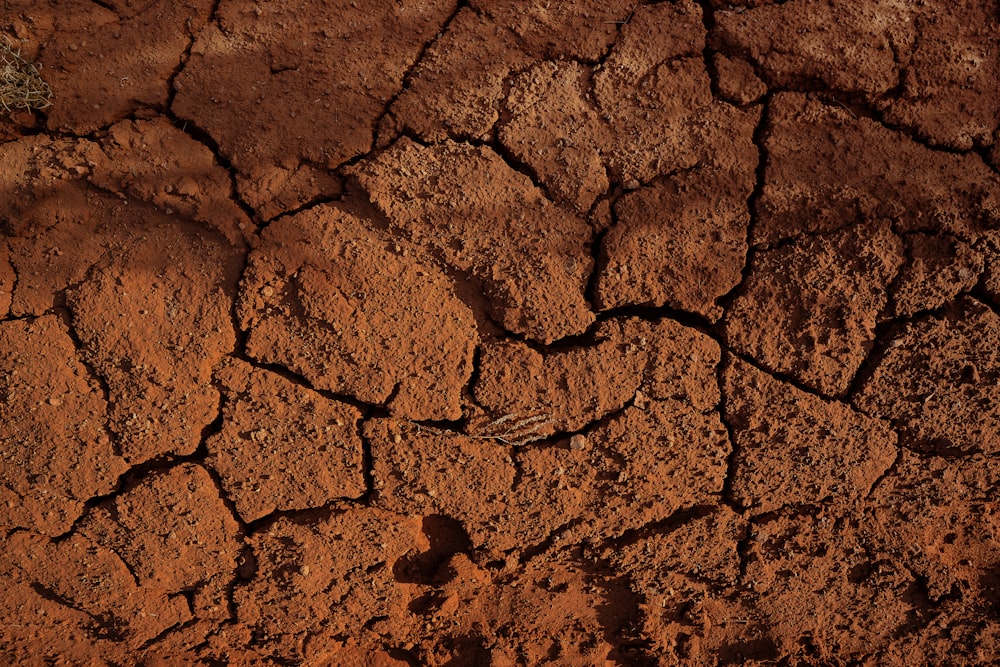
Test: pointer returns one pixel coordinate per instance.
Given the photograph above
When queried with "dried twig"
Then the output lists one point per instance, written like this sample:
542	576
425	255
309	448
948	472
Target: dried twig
520	432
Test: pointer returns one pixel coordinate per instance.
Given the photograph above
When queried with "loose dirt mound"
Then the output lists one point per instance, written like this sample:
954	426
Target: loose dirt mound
501	333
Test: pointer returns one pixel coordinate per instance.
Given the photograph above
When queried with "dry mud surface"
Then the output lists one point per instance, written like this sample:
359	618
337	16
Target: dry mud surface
502	333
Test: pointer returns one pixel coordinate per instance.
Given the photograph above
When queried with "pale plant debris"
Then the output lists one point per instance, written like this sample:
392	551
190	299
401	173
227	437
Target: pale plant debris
21	86
509	429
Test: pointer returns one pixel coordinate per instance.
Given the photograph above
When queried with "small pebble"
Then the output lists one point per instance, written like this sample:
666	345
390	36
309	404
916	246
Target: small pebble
639	400
577	442
55	401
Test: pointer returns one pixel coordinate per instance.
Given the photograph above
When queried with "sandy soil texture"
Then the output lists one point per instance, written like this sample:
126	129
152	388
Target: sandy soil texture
501	332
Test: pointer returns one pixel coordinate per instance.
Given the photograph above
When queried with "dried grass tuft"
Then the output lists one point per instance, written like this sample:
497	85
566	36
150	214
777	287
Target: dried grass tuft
21	86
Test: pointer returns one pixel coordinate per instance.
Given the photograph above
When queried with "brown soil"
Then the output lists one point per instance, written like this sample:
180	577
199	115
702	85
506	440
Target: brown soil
502	333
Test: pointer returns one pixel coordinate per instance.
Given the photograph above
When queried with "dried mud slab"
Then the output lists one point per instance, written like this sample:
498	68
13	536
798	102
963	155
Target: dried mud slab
260	76
465	205
55	227
640	466
560	31
906	579
557	609
331	578
572	138
655	93
56	451
36	627
339	303
868	598
283	446
932	67
153	161
555	129
681	365
793	448
59	227
937	380
530	394
106	60
420	471
938	269
827	168
112	611
801	41
809	308
946	94
673	571
456	89
660	457
561	391
643	457
150	293
175	534
699	545
944	518
8	279
680	241
738	82
153	318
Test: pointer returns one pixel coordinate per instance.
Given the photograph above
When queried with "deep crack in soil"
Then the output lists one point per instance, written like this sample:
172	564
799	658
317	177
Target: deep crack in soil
502	333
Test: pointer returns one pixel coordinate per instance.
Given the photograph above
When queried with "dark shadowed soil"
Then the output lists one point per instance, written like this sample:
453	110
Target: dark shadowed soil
425	332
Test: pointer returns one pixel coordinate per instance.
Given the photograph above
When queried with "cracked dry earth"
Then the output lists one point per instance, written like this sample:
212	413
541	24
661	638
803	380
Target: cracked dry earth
502	333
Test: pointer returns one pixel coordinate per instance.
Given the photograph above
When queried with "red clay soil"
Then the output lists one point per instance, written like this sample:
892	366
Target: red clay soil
502	333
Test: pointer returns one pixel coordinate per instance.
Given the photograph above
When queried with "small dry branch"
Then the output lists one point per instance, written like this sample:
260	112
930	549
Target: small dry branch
519	432
508	429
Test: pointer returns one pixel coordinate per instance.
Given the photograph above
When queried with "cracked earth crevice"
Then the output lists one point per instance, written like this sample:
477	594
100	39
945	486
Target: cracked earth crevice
377	125
475	332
